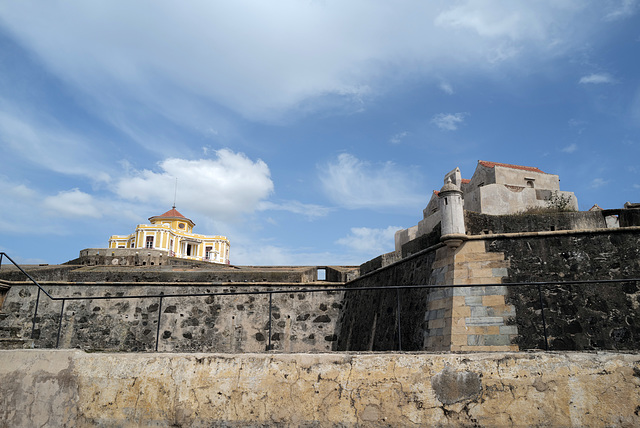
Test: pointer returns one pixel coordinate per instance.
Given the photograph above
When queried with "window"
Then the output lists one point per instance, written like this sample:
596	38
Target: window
149	243
207	253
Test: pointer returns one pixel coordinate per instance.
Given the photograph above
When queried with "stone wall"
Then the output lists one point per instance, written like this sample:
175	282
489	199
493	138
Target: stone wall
479	224
73	388
578	317
369	319
170	274
231	323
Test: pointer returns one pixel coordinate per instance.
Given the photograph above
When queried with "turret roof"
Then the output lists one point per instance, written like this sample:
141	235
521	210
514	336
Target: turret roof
172	213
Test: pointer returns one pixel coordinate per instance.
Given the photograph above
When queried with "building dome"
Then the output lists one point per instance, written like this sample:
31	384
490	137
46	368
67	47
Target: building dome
449	187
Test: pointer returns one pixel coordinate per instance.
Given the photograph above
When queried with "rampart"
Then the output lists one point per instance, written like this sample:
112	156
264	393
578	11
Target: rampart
73	388
480	312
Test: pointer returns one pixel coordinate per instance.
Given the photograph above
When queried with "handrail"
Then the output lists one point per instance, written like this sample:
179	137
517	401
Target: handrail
3	254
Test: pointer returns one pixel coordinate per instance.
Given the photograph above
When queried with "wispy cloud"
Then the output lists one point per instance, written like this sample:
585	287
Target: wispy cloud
353	183
446	88
311	211
571	148
261	71
448	121
597	78
597	183
40	141
397	138
368	240
622	9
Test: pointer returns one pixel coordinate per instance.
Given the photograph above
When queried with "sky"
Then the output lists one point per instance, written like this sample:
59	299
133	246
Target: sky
305	131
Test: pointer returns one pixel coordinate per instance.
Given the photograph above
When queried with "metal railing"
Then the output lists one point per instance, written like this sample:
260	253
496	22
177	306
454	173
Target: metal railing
398	288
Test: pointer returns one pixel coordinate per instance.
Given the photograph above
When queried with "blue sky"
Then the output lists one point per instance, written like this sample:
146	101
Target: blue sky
307	132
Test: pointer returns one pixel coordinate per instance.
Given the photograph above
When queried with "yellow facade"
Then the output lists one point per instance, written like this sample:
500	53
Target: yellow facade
173	233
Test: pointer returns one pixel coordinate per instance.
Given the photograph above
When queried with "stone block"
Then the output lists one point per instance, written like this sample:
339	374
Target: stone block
496	290
473	300
509	329
458	339
497	340
475	340
500	272
461	311
436	323
484	321
494	300
501	311
481	273
483	330
470	247
478	311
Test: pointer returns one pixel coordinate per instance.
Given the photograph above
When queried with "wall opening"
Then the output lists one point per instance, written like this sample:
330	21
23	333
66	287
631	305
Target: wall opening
321	274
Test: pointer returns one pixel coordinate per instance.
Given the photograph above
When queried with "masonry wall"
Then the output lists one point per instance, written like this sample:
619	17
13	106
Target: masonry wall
231	323
168	274
578	317
73	388
369	319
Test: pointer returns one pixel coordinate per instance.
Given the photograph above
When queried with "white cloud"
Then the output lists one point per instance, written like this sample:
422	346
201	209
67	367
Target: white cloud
448	121
353	184
597	78
370	241
223	188
446	88
397	138
73	203
571	148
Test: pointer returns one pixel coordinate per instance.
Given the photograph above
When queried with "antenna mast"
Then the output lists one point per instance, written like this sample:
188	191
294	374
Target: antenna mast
175	194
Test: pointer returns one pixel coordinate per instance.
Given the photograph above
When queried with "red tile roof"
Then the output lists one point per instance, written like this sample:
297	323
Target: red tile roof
173	212
465	180
506	165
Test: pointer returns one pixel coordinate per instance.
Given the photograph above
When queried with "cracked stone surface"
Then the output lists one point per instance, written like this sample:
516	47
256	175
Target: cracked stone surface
74	388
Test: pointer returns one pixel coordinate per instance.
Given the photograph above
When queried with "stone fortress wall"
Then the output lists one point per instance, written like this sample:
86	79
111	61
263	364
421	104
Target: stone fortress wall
485	317
356	311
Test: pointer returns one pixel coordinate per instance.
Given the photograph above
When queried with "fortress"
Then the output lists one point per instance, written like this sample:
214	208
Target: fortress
446	330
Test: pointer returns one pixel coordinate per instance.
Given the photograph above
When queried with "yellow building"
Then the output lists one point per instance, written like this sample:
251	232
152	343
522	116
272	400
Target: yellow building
172	232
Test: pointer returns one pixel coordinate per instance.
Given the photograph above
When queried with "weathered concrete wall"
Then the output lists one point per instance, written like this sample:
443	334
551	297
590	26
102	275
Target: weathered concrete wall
72	388
299	321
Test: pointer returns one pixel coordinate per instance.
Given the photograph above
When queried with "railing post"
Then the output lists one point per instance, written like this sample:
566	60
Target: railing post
544	324
270	306
60	323
35	315
158	328
398	318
